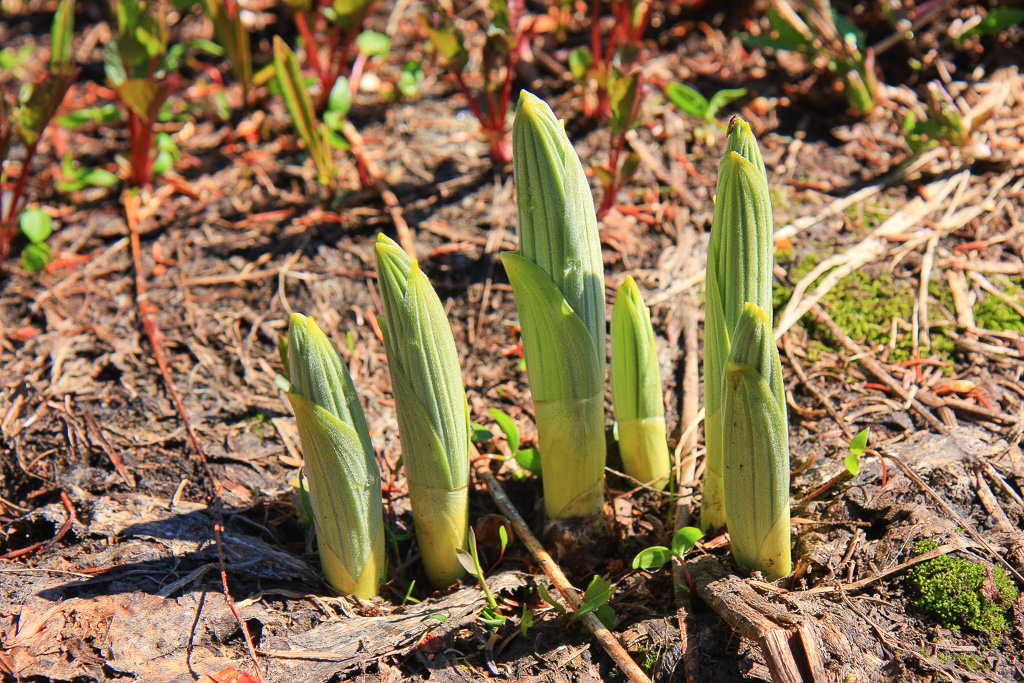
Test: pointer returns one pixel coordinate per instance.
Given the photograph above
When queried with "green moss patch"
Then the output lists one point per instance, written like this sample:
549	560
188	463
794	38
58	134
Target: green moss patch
961	593
865	305
992	313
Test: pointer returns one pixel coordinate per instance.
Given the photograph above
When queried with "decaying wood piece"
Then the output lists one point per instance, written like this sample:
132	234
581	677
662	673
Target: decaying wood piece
789	645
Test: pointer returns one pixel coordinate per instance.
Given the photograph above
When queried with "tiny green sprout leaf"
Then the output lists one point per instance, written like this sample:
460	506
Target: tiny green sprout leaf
685	539
466	560
598	593
36	225
654	557
529	460
480	433
373	44
491	618
340	99
857	446
606	615
580	61
34	257
503	536
722	98
687	99
508	426
551	601
439	618
525	621
860	442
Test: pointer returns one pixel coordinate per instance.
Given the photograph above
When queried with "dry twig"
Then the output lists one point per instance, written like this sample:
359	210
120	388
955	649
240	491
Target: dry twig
550	568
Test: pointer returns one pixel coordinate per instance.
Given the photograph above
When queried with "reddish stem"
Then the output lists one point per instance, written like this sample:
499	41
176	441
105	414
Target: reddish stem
312	53
473	106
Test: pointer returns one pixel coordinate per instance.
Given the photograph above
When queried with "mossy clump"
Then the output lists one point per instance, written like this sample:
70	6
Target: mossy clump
992	313
963	593
864	306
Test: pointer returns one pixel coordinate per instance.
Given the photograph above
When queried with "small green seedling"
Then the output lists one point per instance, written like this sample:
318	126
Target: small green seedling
658	556
528	458
595	599
827	37
37	226
691	102
857	446
526	620
491	616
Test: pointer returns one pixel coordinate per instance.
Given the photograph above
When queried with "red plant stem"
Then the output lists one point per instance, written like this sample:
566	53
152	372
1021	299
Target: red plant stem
312	53
19	187
355	75
140	132
473	106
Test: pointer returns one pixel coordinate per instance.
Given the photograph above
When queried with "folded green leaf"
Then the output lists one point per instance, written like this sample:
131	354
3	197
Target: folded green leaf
740	262
558	280
433	417
756	448
344	481
300	107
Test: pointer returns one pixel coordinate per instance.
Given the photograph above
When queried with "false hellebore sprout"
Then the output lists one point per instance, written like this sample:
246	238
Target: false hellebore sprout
755	444
558	280
344	481
636	389
739	271
433	417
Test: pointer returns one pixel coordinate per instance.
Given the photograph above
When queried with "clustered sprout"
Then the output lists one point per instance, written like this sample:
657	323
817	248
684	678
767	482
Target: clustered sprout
557	277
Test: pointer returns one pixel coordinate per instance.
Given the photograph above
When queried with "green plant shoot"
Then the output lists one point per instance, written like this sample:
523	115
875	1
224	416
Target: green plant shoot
558	280
755	447
739	271
636	389
344	481
433	417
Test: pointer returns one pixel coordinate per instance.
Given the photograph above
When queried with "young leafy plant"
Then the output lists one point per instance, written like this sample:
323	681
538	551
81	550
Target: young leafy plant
344	481
857	446
141	69
691	102
36	225
740	257
328	31
625	97
595	599
315	134
502	47
829	38
24	122
491	616
557	277
433	417
636	390
657	556
234	36
528	458
940	122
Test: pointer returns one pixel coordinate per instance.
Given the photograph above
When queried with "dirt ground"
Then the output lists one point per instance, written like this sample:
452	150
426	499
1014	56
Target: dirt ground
898	293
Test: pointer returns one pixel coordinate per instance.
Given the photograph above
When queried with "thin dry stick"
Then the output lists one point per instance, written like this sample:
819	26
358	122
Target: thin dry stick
876	369
945	506
550	568
840	420
857	585
146	308
686	470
